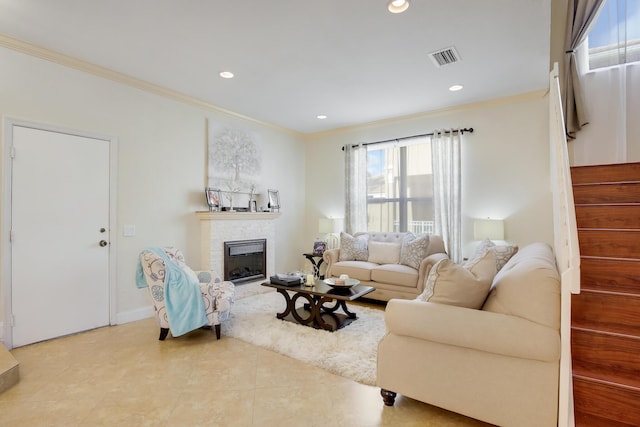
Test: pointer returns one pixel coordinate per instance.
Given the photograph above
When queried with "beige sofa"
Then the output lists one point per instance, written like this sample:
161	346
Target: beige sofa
498	364
396	264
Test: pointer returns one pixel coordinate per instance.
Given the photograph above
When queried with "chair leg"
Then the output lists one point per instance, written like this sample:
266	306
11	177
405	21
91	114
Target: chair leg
217	328
163	333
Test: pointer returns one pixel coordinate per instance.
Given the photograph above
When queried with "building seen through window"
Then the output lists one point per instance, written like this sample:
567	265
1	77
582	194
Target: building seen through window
400	188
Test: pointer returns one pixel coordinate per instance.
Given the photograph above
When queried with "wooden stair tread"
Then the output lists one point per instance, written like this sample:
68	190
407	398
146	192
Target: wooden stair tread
625	192
607	383
606	311
606	356
606	173
611	217
618	243
607	400
583	184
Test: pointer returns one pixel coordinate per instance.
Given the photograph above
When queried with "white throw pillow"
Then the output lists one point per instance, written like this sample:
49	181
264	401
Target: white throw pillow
384	252
414	251
460	285
502	252
353	248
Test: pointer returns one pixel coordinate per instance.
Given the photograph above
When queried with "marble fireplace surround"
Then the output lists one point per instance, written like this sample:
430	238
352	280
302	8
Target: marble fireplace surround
219	227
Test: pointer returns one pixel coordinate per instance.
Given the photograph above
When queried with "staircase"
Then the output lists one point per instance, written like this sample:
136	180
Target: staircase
605	318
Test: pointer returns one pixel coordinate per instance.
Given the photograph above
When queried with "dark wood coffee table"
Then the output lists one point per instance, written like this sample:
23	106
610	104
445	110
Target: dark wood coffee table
315	313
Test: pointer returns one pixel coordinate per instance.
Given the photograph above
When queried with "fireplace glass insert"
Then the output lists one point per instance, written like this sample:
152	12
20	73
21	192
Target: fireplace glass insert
245	260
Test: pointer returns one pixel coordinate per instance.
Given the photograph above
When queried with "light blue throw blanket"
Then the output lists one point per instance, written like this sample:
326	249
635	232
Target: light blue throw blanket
183	299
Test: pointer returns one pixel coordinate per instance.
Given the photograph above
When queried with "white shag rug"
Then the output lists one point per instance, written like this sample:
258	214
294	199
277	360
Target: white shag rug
349	352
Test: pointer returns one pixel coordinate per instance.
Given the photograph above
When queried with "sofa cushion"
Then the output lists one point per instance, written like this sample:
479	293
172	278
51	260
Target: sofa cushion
353	248
502	252
528	286
387	236
460	285
383	252
395	274
414	251
360	270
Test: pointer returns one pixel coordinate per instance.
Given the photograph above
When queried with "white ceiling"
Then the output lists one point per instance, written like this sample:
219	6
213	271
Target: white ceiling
294	59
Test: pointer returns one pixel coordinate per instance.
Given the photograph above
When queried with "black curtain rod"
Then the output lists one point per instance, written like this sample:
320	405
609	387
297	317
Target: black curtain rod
462	131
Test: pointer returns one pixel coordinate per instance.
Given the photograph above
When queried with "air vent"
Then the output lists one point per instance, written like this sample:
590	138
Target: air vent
445	56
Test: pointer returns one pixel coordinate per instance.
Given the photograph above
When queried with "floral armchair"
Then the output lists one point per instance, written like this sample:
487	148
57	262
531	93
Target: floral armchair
217	295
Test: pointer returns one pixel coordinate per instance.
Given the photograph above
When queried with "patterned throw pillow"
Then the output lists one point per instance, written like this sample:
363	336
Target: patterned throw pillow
460	285
353	248
503	253
414	251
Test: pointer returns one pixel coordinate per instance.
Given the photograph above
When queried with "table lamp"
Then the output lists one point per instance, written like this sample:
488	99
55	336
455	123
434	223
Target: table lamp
329	227
492	229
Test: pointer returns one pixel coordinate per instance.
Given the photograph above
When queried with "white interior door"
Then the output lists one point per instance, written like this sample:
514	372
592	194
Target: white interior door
59	216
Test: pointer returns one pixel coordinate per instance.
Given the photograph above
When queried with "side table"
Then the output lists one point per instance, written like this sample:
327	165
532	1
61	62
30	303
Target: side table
316	264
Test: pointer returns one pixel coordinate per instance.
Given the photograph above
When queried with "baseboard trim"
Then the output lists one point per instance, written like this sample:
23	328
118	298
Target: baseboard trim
134	315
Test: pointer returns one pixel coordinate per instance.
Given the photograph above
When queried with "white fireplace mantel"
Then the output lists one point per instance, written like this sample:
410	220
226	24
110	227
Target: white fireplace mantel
219	227
236	216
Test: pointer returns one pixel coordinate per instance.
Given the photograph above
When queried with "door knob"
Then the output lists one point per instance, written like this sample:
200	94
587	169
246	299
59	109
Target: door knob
103	243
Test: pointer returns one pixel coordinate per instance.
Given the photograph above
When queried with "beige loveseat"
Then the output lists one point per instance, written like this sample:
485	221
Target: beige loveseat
498	364
396	264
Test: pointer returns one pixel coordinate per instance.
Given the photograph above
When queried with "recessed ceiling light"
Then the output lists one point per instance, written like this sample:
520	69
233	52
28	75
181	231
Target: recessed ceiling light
398	6
226	75
321	116
456	88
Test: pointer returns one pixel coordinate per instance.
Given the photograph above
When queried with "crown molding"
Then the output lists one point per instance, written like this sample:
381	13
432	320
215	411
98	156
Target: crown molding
125	79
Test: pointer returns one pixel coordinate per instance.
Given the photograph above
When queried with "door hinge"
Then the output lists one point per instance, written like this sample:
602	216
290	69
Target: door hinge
11	235
12	152
12	320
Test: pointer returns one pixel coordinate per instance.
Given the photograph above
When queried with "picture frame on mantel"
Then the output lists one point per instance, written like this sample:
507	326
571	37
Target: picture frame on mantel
214	197
273	200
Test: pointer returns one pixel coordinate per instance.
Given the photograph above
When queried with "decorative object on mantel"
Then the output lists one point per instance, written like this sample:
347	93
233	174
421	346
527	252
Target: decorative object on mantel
253	204
213	199
274	200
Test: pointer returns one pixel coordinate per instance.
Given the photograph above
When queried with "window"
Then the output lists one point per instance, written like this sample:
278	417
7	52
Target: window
400	187
615	37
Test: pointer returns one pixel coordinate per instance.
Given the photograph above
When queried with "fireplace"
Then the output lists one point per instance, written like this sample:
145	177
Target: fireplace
245	260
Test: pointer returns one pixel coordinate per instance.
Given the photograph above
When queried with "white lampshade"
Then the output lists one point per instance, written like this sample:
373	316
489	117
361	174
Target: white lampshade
329	225
492	229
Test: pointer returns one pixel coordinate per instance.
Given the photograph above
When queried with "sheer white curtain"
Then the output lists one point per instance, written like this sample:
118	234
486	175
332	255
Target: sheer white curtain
445	157
355	218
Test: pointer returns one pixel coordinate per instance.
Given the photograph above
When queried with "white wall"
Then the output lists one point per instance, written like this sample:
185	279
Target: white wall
505	164
161	159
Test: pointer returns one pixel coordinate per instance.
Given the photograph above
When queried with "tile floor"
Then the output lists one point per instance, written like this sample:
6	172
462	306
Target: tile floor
124	376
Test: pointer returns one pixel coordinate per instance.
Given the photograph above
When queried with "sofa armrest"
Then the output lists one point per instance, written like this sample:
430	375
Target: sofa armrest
425	266
330	257
474	329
